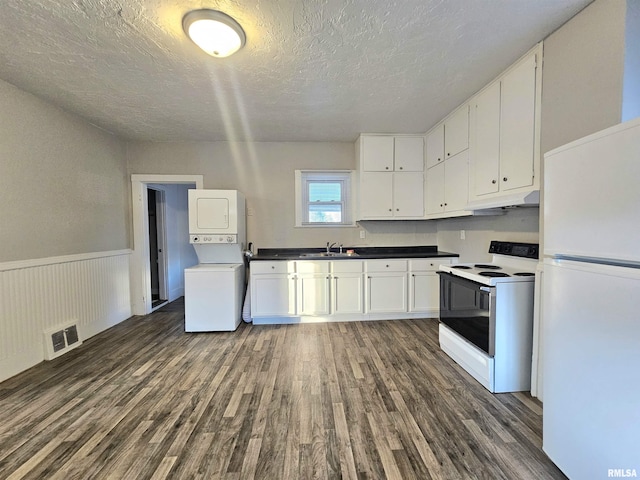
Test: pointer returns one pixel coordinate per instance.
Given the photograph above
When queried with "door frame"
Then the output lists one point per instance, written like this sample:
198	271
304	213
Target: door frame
139	267
161	239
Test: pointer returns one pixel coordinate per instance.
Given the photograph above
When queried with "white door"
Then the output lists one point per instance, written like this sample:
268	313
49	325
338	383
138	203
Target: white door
435	189
591	420
409	154
347	293
485	148
424	292
517	126
456	182
408	194
313	294
387	292
377	153
272	295
376	195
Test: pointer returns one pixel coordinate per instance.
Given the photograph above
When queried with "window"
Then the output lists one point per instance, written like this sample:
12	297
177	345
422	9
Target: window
323	198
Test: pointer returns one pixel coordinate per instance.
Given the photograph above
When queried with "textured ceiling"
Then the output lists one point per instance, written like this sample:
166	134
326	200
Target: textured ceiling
312	70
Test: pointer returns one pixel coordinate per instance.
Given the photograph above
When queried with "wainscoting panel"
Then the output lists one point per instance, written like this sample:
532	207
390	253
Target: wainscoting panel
91	290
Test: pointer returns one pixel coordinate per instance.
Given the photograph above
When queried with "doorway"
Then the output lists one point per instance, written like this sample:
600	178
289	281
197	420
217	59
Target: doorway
140	266
156	213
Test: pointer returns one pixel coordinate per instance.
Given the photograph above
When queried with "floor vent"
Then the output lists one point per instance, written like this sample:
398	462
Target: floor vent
60	340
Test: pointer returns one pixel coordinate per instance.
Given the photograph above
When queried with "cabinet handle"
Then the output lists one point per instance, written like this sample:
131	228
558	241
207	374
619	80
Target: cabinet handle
413	274
445	204
400	168
439	159
493	181
387	266
390	209
328	277
368	277
504	179
397	209
441	205
272	267
386	168
448	154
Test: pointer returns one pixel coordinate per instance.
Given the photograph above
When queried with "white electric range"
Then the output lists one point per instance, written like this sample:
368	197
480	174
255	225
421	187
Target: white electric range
486	315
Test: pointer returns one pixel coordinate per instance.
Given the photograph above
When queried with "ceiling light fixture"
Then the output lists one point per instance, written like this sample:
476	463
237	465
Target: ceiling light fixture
214	32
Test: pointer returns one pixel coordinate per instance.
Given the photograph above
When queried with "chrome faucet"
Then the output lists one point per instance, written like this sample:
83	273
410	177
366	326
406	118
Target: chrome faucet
330	246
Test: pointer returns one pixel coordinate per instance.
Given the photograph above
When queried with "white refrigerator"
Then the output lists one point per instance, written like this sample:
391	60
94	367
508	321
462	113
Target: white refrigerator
591	305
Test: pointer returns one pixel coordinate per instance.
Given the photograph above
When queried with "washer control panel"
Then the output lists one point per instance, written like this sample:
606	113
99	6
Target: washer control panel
213	239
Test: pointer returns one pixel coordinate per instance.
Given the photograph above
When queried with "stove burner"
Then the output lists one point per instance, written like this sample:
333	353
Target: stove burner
493	274
488	267
524	274
462	267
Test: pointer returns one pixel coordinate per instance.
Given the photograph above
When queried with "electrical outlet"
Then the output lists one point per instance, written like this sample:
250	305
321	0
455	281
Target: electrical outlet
363	234
463	235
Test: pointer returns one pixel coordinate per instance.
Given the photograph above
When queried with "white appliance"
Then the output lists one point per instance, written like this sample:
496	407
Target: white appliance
486	316
213	297
591	319
217	225
214	289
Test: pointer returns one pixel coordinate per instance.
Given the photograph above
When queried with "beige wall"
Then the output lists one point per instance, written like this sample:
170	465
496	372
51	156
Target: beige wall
63	185
583	74
264	172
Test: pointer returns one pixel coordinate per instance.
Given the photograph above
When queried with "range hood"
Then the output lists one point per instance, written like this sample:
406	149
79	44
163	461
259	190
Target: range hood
529	198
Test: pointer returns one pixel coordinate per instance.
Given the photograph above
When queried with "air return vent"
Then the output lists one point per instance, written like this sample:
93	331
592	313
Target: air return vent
60	340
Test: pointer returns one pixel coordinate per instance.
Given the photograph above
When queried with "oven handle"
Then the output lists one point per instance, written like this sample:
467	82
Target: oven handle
492	318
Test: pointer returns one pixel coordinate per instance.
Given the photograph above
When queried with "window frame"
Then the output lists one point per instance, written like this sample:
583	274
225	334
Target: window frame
302	180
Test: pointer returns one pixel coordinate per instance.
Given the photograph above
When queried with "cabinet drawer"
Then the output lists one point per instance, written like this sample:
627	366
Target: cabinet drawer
347	266
312	266
386	266
272	267
427	264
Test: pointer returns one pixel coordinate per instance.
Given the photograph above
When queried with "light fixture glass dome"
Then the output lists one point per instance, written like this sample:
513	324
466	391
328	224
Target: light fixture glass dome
214	32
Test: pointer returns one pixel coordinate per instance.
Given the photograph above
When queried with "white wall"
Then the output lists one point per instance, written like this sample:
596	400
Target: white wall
264	172
583	74
63	184
631	89
181	253
63	227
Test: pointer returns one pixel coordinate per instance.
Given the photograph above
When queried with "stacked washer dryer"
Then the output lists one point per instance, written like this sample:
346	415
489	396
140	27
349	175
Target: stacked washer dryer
214	289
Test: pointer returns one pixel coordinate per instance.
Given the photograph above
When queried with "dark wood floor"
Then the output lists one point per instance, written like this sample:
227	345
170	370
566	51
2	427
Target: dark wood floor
367	400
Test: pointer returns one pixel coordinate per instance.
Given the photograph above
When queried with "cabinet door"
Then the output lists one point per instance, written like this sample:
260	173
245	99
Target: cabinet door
517	125
347	293
456	132
377	153
408	194
313	294
435	189
485	147
435	146
424	292
456	182
409	154
273	295
376	195
387	292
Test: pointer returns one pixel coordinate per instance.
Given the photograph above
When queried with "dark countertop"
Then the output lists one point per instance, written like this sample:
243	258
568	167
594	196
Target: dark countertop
362	253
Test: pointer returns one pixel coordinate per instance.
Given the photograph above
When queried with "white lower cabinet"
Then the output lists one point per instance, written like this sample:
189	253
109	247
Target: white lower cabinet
346	289
312	288
273	289
386	287
424	285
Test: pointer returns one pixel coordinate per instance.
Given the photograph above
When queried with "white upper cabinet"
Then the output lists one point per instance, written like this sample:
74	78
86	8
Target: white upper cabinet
517	125
448	138
389	153
505	135
391	177
456	132
447	186
435	146
485	116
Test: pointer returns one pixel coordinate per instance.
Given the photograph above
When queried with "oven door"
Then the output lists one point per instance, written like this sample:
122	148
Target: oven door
468	308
